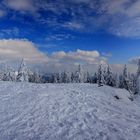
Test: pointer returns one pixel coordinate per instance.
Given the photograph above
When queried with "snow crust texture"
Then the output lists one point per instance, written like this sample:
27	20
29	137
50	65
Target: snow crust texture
67	112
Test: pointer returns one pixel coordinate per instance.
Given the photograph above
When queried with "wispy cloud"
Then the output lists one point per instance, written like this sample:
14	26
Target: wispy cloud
118	17
20	5
59	37
2	13
73	25
14	32
123	16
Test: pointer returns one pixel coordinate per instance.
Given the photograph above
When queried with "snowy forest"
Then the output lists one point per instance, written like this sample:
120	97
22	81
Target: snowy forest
103	76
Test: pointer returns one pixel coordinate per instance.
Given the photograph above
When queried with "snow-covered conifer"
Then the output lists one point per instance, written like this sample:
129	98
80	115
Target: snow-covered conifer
55	78
37	77
87	78
23	72
125	78
138	78
64	77
120	85
78	76
133	83
72	78
104	76
9	74
95	78
100	76
109	77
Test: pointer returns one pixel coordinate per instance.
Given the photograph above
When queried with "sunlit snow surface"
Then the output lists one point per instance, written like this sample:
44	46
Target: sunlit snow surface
67	112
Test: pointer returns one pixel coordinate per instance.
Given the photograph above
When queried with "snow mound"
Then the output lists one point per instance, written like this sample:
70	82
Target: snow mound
67	112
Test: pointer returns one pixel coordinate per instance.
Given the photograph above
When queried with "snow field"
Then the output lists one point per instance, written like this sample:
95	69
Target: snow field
67	112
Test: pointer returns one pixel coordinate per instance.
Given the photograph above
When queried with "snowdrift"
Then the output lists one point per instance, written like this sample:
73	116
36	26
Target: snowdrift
67	112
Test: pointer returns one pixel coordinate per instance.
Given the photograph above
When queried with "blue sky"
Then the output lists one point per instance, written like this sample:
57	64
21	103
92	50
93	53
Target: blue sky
57	29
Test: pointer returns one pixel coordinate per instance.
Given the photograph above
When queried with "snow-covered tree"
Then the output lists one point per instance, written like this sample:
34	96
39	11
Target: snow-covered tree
78	76
138	78
65	78
125	73
95	78
87	78
72	78
1	75
31	77
133	83
100	76
9	74
125	78
115	79
55	78
37	77
104	73
59	77
120	84
23	72
125	81
109	77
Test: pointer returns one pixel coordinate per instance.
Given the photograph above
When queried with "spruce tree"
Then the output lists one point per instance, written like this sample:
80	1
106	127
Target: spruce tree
23	72
37	77
78	77
95	78
88	79
138	78
100	76
109	77
126	81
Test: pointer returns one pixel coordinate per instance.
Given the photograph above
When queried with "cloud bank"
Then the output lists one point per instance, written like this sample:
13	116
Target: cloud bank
16	49
13	50
78	57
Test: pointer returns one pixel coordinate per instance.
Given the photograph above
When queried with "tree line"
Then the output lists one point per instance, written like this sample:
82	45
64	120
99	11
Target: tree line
103	76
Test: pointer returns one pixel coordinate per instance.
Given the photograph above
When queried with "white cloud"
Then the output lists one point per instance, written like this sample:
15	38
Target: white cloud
60	61
122	17
20	5
112	6
129	28
73	25
118	17
58	37
15	49
134	9
124	7
77	57
133	60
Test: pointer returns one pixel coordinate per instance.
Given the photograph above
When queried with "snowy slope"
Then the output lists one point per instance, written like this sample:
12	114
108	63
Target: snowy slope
67	112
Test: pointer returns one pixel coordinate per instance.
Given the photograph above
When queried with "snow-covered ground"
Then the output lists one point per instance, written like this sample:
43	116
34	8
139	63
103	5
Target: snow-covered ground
67	112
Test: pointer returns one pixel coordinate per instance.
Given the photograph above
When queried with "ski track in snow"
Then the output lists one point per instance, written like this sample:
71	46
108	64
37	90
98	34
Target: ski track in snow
67	112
